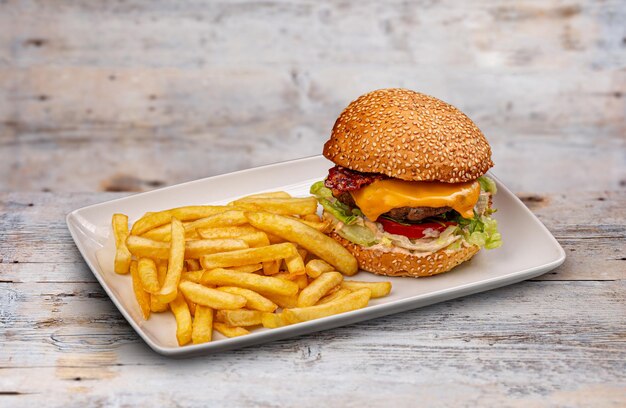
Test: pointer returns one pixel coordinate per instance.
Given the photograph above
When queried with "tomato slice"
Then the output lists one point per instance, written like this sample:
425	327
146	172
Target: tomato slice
412	231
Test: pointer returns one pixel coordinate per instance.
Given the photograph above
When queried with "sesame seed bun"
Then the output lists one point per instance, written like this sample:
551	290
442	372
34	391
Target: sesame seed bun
409	136
401	264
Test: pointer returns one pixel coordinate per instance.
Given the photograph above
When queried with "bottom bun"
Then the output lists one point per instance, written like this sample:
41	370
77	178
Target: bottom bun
401	264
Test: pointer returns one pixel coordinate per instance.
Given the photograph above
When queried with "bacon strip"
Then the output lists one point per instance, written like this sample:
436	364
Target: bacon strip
341	180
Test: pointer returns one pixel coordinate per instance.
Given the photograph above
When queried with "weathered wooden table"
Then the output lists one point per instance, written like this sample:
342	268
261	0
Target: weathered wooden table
107	98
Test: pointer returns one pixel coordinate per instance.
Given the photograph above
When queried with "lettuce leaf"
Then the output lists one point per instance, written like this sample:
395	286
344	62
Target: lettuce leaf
480	230
358	234
335	207
487	184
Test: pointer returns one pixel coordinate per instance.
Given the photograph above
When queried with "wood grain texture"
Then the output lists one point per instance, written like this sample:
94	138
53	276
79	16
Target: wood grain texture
559	340
133	95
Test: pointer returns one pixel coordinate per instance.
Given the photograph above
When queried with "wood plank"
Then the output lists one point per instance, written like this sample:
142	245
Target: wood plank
529	343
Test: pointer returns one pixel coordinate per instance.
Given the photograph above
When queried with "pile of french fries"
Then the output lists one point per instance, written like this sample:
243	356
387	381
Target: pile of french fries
262	260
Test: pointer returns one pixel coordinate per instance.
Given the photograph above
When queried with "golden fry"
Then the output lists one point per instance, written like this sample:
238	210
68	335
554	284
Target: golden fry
379	289
144	247
318	288
239	317
192	264
333	295
175	263
221	219
156	219
248	234
262	284
273	320
246	268
155	305
211	297
295	265
229	331
119	222
143	297
271	267
193	276
284	206
202	327
183	319
316	267
195	249
191	305
312	218
352	301
148	275
309	238
248	256
226	232
254	300
283	301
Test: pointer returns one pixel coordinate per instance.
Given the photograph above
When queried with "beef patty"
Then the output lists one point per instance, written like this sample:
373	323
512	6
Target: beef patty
401	214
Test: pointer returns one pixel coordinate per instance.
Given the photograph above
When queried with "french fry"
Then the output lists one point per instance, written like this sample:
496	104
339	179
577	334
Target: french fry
265	285
239	317
316	267
183	319
148	248
246	268
148	275
226	232
379	289
295	265
202	327
301	280
192	264
303	253
273	320
318	288
284	206
195	249
211	297
250	235
333	295
143	297
323	226
352	301
283	301
312	218
220	219
119	223
191	305
254	300
175	263
156	219
229	331
309	238
155	304
193	276
248	256
275	239
271	267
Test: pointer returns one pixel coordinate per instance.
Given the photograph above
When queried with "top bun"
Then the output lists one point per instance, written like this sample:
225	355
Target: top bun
409	136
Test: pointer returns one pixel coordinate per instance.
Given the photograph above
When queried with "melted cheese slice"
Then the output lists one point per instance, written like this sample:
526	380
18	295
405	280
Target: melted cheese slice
384	195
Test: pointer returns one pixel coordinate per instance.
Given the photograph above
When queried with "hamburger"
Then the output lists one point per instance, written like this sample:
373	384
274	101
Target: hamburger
408	195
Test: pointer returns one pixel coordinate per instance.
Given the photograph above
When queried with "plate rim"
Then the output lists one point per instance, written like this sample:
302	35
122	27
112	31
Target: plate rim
325	323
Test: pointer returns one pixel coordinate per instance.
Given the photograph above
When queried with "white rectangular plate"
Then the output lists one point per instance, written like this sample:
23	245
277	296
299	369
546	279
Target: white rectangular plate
529	250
